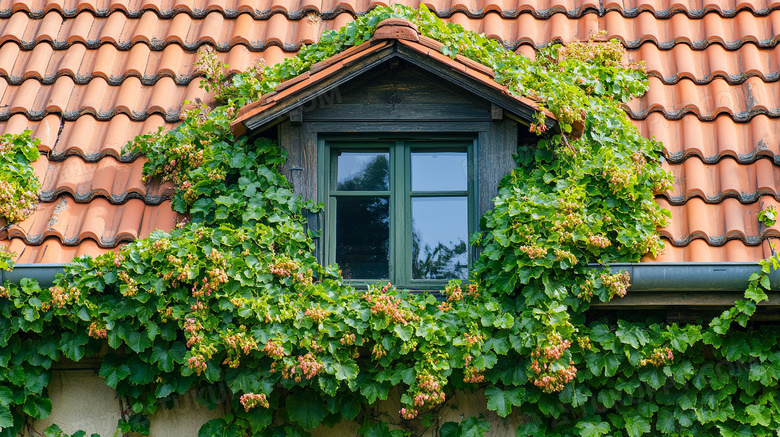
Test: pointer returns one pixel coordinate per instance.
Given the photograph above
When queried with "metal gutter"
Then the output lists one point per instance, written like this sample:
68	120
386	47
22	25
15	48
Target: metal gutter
691	276
645	277
43	272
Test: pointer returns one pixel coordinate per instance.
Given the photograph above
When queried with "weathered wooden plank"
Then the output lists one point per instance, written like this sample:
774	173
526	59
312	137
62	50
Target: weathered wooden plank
495	160
301	166
400	111
404	84
666	299
392	127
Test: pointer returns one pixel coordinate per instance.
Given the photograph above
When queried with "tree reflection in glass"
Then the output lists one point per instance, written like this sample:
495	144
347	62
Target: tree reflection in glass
363	171
363	222
363	237
439	249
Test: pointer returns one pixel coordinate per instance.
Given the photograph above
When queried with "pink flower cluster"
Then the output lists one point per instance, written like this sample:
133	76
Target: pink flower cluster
251	400
390	306
658	358
197	363
274	349
191	326
408	414
348	339
16	204
473	339
616	284
283	269
544	376
60	297
453	292
428	391
533	252
309	366
471	374
555	381
317	314
97	331
599	241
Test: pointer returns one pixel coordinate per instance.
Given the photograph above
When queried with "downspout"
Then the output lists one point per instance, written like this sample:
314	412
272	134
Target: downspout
645	277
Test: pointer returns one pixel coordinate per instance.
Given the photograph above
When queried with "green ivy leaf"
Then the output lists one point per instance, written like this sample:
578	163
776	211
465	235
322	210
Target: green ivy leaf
6	418
666	422
599	363
73	345
404	331
35	380
758	415
37	407
473	427
589	429
637	425
347	372
381	429
305	409
113	372
501	401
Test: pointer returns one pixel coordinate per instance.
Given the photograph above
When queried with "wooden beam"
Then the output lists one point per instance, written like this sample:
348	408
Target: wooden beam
296	116
703	300
496	112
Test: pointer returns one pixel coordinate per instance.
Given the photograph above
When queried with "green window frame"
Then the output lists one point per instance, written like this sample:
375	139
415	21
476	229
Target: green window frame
399	196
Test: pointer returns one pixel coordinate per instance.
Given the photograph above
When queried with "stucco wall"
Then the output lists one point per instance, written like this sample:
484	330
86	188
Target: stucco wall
81	401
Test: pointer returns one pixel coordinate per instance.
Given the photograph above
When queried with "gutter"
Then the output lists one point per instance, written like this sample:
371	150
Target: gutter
43	272
691	276
686	277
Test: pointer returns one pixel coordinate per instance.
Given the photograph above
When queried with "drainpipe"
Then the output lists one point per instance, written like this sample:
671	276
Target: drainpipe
645	277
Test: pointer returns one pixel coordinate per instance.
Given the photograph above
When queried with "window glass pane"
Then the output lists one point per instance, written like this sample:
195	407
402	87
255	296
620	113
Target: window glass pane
363	171
439	171
363	237
439	241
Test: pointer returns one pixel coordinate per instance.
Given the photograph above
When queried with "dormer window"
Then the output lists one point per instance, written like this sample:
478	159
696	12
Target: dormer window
404	146
398	210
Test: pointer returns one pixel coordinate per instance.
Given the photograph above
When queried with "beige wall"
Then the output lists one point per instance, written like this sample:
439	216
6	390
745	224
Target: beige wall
81	401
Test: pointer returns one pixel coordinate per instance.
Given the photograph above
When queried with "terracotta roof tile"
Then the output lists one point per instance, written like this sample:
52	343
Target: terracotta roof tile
45	130
699	251
215	29
691	8
99	220
53	251
123	32
115	181
82	64
742	28
708	101
703	66
712	140
444	8
293	9
97	97
727	220
727	178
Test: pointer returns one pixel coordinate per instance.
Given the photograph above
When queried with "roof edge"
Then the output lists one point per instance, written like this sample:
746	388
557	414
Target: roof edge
404	40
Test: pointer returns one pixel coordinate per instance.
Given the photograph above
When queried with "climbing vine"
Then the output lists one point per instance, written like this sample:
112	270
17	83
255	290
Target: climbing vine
18	184
234	297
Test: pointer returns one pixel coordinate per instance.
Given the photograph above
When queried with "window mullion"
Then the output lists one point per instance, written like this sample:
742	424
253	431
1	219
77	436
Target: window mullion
400	270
